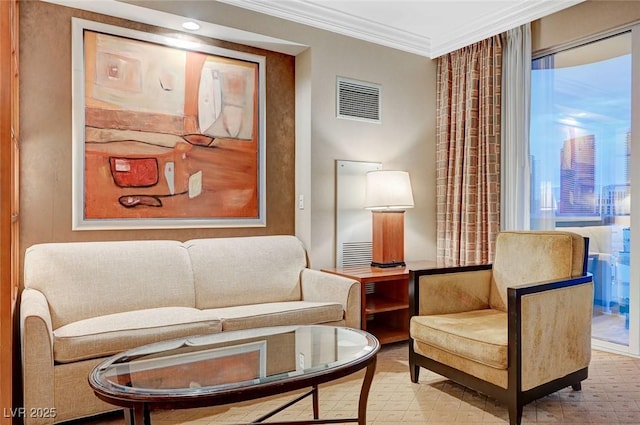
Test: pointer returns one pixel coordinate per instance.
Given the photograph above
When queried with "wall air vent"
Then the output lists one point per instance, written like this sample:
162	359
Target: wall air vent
356	253
357	100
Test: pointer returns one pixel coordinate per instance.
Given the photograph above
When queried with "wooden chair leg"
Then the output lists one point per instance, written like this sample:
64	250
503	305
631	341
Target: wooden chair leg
414	370
515	414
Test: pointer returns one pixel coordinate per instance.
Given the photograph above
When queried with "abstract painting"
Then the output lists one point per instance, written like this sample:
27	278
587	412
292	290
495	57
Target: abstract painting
167	133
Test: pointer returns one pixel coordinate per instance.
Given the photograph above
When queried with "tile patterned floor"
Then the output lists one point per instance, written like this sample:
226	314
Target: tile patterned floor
611	395
610	327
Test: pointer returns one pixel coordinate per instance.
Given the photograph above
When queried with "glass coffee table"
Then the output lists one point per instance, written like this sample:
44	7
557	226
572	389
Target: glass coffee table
229	367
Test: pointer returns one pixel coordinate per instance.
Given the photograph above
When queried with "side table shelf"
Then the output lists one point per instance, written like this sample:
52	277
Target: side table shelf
380	304
384	298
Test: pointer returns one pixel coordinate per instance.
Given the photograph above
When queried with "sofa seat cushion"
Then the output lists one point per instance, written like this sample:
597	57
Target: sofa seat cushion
278	314
479	335
110	334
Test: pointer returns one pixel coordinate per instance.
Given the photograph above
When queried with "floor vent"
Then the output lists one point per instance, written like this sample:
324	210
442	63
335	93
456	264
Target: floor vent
358	100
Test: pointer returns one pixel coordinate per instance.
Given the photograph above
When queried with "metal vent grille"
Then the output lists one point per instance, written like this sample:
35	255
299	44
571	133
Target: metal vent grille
356	253
358	100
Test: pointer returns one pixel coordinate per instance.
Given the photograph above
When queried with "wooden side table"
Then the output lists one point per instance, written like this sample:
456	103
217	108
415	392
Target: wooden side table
384	298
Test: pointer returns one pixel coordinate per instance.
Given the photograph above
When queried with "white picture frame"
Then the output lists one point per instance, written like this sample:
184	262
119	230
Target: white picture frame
167	133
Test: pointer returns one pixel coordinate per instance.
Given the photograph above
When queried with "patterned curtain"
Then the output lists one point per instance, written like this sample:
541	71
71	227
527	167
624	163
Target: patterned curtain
468	153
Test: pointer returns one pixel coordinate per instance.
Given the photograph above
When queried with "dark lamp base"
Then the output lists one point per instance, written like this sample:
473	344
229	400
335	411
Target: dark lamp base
387	265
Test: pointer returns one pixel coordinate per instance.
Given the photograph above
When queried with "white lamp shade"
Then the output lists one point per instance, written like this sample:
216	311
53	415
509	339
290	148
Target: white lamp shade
386	189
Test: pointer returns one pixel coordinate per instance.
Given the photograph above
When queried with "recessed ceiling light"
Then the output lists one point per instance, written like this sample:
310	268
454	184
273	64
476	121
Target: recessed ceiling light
191	26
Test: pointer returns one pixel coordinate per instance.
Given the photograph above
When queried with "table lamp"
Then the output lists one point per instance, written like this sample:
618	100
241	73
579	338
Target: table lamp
388	195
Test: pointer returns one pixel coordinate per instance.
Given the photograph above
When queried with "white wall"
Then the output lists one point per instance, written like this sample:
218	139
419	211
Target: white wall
405	140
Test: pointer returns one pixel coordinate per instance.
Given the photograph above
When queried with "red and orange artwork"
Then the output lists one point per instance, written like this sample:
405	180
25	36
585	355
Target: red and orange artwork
168	133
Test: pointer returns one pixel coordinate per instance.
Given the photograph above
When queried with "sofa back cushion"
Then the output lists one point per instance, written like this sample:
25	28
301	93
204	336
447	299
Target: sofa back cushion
246	270
533	256
88	279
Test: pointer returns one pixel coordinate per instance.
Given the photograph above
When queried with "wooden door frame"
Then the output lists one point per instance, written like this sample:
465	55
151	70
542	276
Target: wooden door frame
9	233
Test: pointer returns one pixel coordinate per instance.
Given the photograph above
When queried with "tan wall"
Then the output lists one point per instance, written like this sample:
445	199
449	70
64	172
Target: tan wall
581	21
46	129
405	140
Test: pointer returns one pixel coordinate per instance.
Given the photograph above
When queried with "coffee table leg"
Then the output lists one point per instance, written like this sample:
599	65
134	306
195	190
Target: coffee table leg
138	415
128	417
364	392
316	410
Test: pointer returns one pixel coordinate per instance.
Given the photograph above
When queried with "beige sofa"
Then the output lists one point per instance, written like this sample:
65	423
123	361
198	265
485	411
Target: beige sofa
84	301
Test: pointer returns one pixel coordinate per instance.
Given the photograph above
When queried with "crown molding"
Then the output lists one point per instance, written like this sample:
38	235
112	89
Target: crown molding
497	23
319	16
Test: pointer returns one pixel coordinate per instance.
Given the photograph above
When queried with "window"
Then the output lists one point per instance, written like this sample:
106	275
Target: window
580	141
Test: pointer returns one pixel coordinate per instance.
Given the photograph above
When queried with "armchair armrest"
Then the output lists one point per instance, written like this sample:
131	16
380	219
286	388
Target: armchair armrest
449	290
550	329
321	286
37	350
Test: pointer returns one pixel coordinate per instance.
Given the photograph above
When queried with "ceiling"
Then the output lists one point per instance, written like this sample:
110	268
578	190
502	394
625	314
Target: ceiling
425	27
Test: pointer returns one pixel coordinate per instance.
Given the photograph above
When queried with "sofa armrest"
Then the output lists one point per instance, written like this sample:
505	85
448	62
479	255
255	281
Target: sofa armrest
553	321
322	286
449	290
37	352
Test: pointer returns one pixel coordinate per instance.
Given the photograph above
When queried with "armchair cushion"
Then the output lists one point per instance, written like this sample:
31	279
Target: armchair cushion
523	258
479	335
498	377
455	292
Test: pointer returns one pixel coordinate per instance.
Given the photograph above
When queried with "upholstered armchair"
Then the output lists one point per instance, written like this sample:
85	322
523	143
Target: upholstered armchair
516	330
